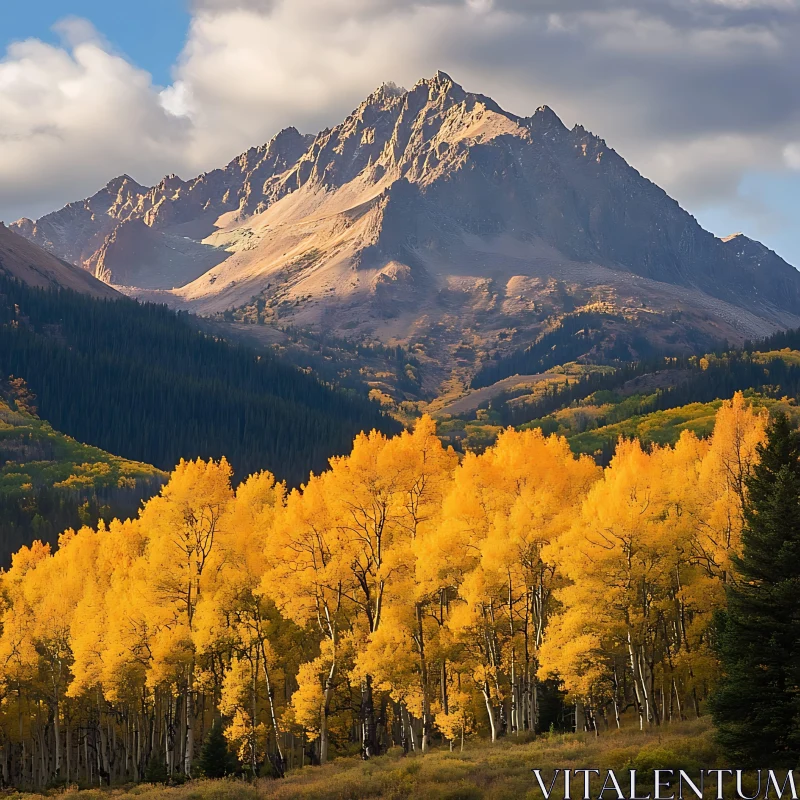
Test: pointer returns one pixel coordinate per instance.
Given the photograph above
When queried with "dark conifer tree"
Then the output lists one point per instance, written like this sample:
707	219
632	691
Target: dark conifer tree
757	705
216	759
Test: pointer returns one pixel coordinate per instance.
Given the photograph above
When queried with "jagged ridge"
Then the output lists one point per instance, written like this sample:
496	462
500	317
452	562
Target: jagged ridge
442	188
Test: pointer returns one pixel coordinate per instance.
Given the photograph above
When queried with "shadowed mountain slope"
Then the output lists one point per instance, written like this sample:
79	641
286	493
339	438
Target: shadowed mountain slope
24	261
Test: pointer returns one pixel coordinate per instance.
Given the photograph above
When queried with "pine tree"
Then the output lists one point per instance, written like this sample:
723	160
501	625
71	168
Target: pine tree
756	704
216	760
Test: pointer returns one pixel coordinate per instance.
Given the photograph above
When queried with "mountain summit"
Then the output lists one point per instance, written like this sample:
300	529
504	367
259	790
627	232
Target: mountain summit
429	211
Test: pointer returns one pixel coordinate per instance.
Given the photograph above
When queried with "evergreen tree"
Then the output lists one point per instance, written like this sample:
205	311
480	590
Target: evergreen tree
757	703
216	760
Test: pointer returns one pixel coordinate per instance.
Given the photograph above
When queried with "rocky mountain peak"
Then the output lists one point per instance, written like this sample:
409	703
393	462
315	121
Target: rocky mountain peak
434	181
438	82
121	181
544	117
24	227
170	183
442	92
546	124
287	138
120	193
386	91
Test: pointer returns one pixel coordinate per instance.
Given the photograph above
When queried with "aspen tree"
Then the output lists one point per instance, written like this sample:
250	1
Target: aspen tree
308	583
508	505
184	527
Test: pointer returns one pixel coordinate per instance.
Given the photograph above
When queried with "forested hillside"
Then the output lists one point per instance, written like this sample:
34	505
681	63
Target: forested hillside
141	382
49	482
570	338
601	401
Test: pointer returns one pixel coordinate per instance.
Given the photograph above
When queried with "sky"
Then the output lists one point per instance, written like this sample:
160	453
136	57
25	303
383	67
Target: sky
701	96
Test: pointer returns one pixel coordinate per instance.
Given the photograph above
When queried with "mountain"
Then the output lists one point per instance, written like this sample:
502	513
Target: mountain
24	261
149	237
434	219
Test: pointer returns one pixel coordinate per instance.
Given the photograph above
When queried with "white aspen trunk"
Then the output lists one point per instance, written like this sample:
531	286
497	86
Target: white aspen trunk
57	735
645	693
324	712
274	717
423	672
403	729
636	681
678	700
136	754
514	698
188	755
489	710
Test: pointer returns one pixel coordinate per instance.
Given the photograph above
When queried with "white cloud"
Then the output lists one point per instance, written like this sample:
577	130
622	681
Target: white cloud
71	118
694	93
791	155
787	5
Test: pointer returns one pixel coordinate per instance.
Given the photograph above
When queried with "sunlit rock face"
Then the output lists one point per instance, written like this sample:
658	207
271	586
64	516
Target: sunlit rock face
429	212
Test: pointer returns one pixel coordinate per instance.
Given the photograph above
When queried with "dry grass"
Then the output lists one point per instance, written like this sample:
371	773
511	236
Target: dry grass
482	772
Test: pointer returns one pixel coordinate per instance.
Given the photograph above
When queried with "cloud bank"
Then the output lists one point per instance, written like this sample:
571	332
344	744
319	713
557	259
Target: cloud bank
694	93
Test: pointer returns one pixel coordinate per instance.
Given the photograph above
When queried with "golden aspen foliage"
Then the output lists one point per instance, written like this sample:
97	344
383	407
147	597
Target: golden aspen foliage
402	596
739	429
506	508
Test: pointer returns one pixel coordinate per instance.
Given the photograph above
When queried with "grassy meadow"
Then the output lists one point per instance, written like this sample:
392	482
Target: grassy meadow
481	772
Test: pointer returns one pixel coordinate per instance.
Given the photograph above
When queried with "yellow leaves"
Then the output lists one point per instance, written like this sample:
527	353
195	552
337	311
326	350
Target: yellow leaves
304	575
308	699
436	579
250	521
184	521
458	723
575	648
26	558
650	548
237	686
243	733
171	650
731	455
390	657
486	675
196	485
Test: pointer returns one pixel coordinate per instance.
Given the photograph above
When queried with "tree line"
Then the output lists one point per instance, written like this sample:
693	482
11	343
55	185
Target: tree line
399	598
697	380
